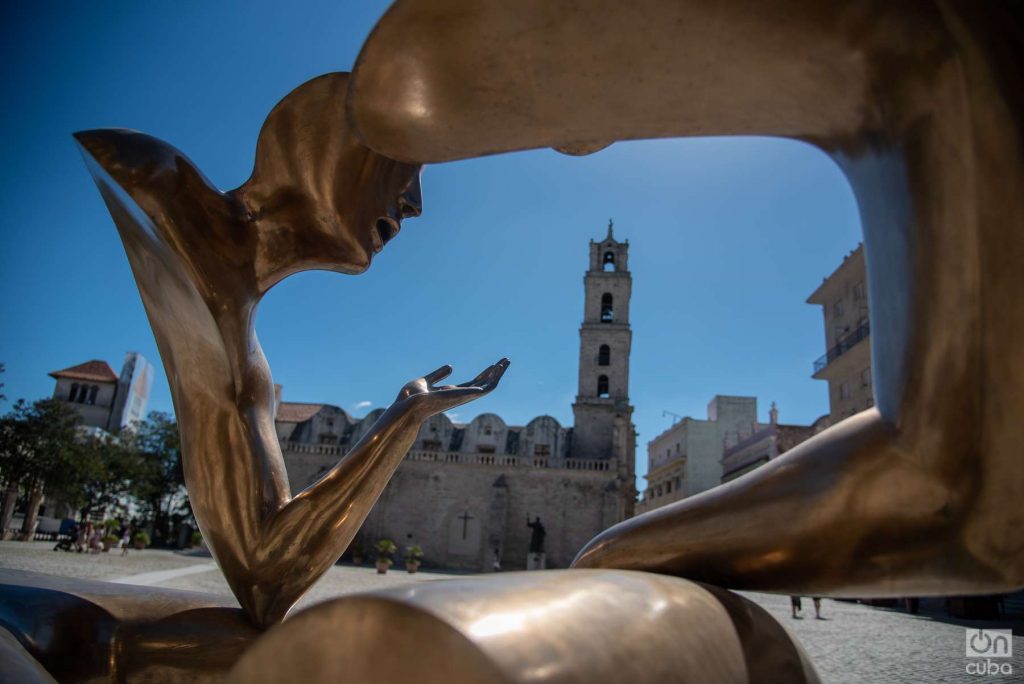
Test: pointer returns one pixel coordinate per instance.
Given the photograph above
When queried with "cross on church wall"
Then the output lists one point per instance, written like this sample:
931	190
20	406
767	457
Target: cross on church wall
465	518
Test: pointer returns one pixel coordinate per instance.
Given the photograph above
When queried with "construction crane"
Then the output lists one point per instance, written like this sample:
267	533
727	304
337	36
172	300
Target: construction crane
675	416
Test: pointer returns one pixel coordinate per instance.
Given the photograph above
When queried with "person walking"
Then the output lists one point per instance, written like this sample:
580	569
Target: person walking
126	539
84	537
795	604
817	607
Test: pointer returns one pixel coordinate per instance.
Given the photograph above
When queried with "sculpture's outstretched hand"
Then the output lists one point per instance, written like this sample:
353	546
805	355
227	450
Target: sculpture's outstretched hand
421	398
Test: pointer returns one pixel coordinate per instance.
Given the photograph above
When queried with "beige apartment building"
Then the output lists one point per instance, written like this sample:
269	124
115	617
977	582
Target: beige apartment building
743	454
846	365
686	459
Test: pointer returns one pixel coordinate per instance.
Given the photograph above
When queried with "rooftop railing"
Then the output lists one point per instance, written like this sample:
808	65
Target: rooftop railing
466	458
842	346
508	460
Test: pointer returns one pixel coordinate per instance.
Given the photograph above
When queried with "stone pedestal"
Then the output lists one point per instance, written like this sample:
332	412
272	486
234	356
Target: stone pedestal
536	561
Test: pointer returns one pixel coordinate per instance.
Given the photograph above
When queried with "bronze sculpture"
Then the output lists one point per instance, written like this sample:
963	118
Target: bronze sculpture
552	626
914	100
917	102
203	260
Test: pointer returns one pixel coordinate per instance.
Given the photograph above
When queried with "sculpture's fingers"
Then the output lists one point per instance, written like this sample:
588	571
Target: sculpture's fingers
439	374
496	372
489	376
479	379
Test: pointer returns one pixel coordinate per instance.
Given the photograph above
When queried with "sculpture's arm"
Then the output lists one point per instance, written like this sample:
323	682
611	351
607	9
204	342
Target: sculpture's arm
320	522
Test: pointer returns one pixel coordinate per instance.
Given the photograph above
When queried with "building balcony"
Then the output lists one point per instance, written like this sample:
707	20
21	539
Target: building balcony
844	345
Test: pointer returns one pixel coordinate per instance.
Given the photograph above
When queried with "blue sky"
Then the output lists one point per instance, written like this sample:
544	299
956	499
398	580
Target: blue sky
728	236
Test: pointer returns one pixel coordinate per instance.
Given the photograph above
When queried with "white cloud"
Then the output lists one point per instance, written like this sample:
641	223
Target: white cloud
454	417
363	404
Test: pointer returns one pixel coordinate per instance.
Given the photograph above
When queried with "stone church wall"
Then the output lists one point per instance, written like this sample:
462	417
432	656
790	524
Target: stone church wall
460	513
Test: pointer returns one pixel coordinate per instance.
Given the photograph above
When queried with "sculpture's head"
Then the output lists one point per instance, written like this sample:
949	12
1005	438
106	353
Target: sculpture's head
318	198
318	190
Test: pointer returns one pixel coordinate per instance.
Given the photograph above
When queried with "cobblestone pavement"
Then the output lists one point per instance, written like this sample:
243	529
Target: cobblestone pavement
858	643
40	557
853	643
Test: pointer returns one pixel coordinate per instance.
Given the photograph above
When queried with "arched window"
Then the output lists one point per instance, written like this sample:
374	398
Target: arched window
607	312
92	394
604	355
608	261
602	386
73	397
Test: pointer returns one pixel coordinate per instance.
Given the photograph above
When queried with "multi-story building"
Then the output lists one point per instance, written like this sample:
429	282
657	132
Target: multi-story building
743	454
104	400
465	490
686	459
846	365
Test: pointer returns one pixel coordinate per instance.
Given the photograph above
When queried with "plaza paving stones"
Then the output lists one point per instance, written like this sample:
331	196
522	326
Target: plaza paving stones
859	643
854	643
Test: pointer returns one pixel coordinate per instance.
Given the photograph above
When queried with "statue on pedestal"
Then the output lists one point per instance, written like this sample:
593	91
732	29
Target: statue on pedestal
537	535
536	558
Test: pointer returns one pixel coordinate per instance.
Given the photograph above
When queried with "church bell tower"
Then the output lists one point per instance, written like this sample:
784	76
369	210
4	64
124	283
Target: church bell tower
603	426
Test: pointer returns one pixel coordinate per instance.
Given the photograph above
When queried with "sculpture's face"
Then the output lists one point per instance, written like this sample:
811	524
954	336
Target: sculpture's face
320	198
371	207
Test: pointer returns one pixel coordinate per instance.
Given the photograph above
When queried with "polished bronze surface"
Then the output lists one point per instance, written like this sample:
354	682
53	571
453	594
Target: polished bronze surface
90	631
317	199
919	103
553	626
18	665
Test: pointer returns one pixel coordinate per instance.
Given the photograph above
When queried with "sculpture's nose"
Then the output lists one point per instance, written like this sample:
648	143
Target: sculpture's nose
410	201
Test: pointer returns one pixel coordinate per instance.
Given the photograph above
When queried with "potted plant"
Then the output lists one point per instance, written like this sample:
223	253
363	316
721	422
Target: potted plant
141	540
385	550
197	539
413	558
109	541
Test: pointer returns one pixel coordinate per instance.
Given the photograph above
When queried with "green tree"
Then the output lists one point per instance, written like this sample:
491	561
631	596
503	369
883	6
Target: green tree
38	444
105	469
160	487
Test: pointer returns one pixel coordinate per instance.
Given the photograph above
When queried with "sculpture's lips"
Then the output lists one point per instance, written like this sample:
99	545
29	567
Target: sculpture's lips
387	228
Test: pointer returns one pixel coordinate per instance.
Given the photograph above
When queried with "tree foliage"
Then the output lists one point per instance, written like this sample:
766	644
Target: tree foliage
105	469
38	447
159	488
43	449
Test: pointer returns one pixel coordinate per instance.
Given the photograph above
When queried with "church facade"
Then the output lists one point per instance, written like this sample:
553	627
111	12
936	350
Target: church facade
465	492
